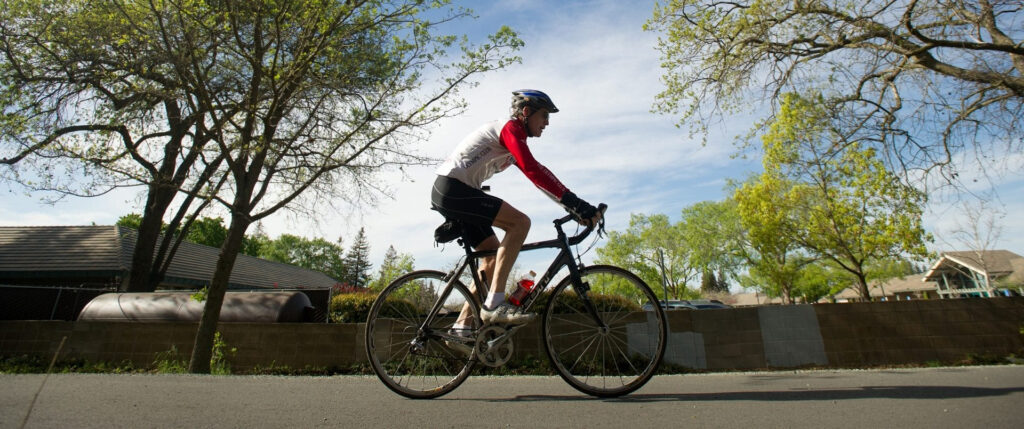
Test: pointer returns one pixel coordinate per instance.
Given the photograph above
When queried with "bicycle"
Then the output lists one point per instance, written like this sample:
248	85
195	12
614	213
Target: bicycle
598	334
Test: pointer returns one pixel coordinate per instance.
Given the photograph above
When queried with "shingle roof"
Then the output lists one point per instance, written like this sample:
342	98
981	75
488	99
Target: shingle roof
61	248
107	250
910	283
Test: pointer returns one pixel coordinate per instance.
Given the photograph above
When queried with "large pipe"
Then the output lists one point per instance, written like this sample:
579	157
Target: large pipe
267	307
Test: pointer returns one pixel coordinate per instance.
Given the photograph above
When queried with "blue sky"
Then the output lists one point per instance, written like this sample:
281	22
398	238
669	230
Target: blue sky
603	72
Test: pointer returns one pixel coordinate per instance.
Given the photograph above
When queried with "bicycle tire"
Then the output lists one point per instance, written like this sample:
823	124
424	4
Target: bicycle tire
433	368
611	362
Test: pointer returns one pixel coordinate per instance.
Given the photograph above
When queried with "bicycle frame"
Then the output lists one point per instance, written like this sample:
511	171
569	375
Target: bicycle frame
564	259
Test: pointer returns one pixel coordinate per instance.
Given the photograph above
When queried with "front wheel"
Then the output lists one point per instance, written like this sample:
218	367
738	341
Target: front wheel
414	362
610	360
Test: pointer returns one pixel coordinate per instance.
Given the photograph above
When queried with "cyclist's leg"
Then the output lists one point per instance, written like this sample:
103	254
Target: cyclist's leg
496	269
516	226
487	265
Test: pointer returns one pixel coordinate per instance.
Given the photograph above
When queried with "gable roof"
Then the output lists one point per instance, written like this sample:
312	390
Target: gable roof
996	263
107	251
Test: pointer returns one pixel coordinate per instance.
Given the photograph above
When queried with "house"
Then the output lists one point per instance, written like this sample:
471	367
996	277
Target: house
898	289
978	274
750	299
955	275
79	262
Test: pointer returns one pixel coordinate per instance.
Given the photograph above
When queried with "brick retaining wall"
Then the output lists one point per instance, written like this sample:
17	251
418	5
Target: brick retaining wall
838	335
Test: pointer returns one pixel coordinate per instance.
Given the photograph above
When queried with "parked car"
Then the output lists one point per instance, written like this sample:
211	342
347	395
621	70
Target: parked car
704	304
672	304
695	304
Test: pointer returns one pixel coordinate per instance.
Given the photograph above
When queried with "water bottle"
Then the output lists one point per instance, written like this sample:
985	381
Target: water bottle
523	288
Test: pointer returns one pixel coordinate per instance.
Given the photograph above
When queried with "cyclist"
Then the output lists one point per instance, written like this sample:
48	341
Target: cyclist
457	194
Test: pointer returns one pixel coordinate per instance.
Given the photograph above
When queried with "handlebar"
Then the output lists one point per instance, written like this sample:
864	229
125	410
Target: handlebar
578	238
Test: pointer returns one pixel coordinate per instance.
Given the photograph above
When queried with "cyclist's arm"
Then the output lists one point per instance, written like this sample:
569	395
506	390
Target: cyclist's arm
514	139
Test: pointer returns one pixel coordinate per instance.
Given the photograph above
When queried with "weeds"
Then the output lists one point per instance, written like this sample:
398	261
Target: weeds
174	362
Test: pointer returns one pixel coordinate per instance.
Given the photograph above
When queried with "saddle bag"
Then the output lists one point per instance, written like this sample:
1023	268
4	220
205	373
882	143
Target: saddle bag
448	231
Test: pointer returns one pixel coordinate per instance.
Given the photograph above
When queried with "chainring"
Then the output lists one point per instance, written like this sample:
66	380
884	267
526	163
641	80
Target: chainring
493	356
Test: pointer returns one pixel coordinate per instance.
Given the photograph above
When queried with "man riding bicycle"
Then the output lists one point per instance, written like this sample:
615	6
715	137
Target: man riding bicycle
458	195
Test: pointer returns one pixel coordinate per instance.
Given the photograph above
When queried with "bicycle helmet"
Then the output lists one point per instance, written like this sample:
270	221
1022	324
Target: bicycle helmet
533	98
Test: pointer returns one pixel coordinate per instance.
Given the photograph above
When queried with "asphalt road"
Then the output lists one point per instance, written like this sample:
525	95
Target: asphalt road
962	397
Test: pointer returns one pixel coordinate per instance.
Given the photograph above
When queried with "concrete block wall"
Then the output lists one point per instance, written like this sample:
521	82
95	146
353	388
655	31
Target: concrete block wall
263	345
835	335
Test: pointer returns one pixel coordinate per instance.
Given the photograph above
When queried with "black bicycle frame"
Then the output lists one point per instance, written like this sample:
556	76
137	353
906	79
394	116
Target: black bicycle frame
564	258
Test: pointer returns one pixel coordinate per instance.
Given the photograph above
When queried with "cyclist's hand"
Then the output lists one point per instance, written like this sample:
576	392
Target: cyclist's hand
592	221
584	212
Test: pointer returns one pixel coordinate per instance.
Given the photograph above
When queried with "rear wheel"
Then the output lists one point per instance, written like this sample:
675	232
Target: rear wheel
414	363
610	360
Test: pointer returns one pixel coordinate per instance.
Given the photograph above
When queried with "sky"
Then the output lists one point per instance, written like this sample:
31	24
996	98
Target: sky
602	71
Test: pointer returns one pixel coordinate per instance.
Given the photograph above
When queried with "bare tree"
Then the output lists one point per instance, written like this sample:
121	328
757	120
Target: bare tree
328	94
976	232
925	81
89	108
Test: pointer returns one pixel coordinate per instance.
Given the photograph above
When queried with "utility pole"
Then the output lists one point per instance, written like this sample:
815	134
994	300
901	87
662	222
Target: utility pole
664	280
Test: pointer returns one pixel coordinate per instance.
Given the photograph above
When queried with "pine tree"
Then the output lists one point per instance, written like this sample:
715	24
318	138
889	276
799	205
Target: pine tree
393	266
357	261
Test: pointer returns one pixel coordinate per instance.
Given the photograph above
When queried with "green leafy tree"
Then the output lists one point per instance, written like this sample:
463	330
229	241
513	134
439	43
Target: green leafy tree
922	81
206	231
767	212
130	220
393	266
712	231
819	280
315	254
654	249
843	204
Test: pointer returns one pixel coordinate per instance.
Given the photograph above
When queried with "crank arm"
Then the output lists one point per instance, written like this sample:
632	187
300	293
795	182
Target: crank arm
504	337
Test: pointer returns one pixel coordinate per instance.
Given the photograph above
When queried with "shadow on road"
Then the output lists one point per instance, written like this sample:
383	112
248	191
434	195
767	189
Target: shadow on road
867	392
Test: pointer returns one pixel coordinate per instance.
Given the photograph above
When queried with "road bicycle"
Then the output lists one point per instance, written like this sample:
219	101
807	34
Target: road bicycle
602	328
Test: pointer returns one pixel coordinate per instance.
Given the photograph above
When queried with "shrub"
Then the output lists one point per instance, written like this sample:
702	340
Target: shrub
354	307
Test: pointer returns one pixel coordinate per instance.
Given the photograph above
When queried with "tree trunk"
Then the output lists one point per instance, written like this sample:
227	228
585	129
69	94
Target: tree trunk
202	350
148	234
862	286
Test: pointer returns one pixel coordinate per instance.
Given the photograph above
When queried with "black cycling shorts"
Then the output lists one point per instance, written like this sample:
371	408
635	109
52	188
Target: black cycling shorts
473	207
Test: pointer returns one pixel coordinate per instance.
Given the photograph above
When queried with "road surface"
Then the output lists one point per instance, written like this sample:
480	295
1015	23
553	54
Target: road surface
976	397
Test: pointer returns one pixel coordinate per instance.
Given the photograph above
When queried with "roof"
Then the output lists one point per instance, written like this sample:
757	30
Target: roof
996	263
107	250
908	283
61	248
751	298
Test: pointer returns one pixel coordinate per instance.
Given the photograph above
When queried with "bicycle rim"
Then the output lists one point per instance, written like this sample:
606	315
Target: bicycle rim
605	362
413	364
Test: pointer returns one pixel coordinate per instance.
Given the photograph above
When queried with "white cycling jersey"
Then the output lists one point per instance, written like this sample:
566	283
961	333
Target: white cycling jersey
491	149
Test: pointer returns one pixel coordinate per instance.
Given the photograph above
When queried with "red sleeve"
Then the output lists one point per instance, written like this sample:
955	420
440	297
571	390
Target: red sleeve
513	136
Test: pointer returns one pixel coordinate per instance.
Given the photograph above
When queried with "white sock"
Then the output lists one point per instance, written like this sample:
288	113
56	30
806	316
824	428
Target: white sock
494	300
460	329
